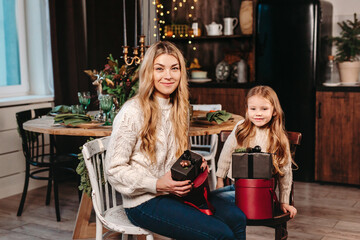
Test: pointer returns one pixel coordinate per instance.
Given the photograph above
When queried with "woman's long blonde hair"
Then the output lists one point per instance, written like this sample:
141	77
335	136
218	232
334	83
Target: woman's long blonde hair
278	140
179	99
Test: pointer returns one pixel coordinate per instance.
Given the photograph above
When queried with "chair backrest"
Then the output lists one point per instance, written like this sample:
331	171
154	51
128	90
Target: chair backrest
42	111
103	194
34	144
206	107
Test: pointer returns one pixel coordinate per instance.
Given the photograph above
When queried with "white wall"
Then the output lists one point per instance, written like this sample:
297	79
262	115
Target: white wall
343	10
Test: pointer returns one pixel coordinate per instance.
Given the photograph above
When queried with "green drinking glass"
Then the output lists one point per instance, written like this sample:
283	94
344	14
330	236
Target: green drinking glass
106	103
84	99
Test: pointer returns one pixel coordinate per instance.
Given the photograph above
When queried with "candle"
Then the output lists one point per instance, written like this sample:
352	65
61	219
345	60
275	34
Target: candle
124	15
135	39
142	18
149	20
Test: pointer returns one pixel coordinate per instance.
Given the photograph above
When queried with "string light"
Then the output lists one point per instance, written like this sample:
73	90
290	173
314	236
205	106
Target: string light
170	31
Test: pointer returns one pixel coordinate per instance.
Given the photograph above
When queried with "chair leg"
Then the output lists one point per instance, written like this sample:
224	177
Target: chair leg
124	236
48	190
99	229
281	232
213	174
149	237
26	185
278	232
56	195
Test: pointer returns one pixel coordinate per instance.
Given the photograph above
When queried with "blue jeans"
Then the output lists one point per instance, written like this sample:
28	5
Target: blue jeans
170	217
226	193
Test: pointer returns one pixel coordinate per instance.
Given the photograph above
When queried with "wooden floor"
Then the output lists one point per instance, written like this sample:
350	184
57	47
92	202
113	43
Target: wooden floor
325	212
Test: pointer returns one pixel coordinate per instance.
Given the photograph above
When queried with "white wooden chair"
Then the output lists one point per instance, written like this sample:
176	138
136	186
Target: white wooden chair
108	212
206	145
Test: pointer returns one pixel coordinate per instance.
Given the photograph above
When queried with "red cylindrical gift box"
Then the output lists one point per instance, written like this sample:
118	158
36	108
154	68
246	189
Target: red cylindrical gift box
255	197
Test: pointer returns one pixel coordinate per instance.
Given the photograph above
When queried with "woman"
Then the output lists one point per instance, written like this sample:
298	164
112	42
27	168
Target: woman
149	134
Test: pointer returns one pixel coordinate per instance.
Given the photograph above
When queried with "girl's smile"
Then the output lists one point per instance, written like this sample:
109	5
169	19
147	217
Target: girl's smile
260	110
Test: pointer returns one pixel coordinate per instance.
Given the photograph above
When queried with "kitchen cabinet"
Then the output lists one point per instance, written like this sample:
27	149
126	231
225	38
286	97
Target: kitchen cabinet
337	150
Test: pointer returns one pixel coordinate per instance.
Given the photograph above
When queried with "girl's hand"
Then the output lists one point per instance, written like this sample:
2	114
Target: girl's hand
219	183
204	165
167	184
288	208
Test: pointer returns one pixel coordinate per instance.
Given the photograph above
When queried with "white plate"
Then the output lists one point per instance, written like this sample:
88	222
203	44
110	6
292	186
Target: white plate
200	80
327	84
352	84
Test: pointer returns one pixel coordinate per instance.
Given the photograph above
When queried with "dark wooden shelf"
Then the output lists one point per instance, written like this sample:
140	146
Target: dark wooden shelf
225	84
207	38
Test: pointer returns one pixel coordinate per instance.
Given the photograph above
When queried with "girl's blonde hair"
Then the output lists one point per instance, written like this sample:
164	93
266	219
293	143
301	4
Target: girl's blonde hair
278	140
179	99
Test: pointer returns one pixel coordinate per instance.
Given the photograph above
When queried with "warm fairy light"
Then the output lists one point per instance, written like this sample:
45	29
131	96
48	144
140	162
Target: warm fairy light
192	35
173	36
163	36
189	42
153	3
184	1
186	35
181	35
155	27
161	14
192	7
180	4
154	19
154	34
194	48
167	12
190	15
175	8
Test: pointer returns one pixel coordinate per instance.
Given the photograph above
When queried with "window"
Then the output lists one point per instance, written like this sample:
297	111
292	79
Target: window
25	48
9	45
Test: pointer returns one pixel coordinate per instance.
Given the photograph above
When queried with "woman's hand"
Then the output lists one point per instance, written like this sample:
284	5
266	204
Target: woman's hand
219	182
288	208
167	184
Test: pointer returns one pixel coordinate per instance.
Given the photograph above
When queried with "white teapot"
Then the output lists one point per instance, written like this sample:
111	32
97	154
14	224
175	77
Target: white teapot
214	29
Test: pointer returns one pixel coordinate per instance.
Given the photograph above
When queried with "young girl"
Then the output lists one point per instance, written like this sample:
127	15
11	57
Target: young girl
263	126
149	134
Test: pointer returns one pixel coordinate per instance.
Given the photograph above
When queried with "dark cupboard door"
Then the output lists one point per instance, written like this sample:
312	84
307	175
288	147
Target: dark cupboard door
337	137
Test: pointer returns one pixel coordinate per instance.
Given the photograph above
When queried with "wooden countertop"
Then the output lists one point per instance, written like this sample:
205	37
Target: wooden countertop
197	127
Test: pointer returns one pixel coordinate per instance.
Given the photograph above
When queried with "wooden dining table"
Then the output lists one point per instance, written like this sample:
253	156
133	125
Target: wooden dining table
85	229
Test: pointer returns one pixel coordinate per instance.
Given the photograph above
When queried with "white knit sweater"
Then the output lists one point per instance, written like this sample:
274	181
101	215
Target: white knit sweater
128	169
261	139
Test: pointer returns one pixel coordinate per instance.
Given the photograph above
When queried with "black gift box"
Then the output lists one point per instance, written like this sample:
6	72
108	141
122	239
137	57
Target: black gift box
255	165
181	173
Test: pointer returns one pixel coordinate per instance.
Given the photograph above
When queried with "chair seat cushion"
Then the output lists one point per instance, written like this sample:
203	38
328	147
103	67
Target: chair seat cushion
117	220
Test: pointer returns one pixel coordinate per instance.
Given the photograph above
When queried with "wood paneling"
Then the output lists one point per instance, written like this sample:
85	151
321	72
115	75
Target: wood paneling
231	99
337	157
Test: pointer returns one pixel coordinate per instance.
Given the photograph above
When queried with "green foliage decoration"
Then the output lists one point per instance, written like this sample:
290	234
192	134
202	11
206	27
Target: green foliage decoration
119	81
85	185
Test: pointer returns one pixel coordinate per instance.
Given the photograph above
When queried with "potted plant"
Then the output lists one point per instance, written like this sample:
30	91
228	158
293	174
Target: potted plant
348	50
